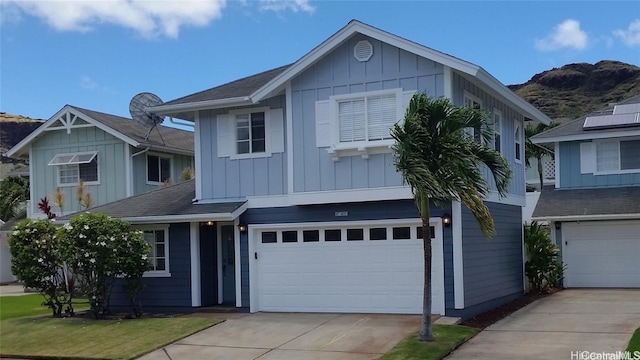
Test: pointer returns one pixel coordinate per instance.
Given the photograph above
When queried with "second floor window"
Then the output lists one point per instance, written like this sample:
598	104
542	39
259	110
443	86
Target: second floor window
367	118
158	168
250	133
75	167
473	102
518	141
617	155
497	130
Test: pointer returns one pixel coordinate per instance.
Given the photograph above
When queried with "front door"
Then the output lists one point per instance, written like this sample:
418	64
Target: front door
228	264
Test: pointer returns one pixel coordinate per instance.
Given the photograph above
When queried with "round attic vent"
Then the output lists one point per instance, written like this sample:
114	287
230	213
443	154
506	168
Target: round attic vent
363	51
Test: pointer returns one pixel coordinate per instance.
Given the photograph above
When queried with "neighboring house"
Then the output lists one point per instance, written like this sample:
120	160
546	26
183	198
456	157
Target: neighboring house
297	205
110	154
594	208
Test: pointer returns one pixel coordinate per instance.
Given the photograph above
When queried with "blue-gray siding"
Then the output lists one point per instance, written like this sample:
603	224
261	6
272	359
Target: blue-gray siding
165	293
340	73
208	266
493	268
139	173
400	209
509	117
232	179
571	177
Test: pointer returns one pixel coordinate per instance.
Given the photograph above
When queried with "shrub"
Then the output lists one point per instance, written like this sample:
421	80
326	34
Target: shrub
543	269
36	261
99	249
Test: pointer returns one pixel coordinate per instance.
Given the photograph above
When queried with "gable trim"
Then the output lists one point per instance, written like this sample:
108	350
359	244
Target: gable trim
585	136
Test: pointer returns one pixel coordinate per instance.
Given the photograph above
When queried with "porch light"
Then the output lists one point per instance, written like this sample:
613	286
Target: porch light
210	223
446	220
242	228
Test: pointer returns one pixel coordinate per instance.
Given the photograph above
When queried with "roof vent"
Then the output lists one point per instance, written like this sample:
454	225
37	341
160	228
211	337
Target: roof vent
363	51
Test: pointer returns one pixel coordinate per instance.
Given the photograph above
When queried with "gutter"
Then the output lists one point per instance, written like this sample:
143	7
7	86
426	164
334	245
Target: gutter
201	105
587	217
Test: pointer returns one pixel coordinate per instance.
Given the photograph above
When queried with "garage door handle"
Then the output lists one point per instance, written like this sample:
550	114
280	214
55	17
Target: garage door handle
255	255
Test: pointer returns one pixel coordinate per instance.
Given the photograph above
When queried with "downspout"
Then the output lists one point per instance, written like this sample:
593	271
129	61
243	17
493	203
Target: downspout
131	165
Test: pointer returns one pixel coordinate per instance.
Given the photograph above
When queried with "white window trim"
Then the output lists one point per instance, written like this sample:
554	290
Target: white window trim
146	167
267	130
95	156
612	172
166	272
518	140
474	98
365	147
497	130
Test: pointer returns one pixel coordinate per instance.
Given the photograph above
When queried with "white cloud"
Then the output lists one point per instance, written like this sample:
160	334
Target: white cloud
282	5
86	82
631	36
147	17
567	34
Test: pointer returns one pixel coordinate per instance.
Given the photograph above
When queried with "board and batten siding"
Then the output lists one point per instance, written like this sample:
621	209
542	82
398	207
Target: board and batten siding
379	210
226	178
571	176
509	116
111	164
165	293
339	73
139	173
492	268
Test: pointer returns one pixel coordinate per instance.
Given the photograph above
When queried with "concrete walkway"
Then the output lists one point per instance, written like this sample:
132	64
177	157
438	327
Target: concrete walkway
593	320
12	290
269	336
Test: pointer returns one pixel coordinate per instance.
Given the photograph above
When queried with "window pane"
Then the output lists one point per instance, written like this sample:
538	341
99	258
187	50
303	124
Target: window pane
333	235
355	234
243	133
89	172
607	156
165	169
243	147
351	116
68	174
289	236
419	232
381	113
311	235
401	233
160	250
257	146
269	237
497	142
630	154
160	265
153	168
378	234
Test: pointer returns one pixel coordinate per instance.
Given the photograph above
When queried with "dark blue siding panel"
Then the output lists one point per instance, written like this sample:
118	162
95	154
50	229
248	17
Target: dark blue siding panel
380	210
208	268
170	293
244	270
493	271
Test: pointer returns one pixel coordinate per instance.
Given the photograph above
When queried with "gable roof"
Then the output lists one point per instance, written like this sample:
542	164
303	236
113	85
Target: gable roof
161	138
279	80
588	204
173	203
573	130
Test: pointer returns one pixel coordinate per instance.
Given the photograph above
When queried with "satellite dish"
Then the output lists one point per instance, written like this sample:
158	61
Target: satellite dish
139	110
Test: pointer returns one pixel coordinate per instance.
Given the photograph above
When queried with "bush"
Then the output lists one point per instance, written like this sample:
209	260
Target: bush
98	249
36	261
543	269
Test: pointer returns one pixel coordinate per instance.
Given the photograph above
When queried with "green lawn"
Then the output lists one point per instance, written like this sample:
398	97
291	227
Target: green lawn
634	343
24	334
447	338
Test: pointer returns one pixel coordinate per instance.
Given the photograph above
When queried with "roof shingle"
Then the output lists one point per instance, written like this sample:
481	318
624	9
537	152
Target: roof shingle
585	202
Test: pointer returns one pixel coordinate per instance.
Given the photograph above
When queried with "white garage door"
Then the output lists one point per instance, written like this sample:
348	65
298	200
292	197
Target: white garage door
373	267
602	254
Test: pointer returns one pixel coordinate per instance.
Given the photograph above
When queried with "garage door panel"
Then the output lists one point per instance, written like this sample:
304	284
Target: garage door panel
347	276
602	254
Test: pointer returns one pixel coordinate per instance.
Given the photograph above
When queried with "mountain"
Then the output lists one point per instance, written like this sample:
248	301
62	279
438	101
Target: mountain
14	128
577	89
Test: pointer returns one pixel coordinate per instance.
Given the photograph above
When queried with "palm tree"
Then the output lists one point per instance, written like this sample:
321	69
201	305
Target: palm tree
14	191
441	163
536	151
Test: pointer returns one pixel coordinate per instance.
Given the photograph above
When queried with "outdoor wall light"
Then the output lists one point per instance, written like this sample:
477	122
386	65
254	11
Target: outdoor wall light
446	219
210	223
242	228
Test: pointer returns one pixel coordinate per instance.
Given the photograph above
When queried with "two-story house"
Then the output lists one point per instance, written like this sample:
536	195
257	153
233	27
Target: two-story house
594	207
297	205
114	157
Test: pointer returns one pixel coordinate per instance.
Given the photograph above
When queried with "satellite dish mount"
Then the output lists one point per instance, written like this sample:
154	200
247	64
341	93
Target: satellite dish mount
139	110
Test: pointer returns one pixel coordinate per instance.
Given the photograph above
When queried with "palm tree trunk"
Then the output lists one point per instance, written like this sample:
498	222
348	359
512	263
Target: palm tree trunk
540	170
426	332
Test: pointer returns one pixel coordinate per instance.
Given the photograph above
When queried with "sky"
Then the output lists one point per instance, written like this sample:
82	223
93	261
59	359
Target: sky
98	54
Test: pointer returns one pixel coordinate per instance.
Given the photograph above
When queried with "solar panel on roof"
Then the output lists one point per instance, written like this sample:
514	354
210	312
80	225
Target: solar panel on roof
611	121
626	109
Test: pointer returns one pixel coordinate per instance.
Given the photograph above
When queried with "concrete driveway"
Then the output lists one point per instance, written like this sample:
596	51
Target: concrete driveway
269	336
593	320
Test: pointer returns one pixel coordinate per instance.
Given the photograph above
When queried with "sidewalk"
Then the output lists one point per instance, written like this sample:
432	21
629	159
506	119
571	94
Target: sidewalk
12	290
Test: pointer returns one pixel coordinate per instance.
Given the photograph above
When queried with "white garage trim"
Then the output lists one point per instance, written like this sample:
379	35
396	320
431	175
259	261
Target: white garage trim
601	253
255	231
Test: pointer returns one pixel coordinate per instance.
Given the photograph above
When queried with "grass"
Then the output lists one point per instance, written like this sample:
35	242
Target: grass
634	343
24	334
447	338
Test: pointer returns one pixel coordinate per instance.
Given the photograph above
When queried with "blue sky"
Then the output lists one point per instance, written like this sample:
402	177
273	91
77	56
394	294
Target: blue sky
98	54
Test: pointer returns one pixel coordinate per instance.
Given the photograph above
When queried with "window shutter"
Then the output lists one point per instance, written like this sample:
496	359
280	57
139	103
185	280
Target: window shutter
276	131
226	136
324	127
587	158
382	113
